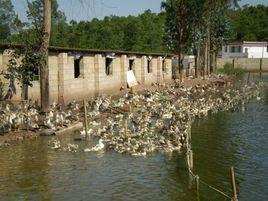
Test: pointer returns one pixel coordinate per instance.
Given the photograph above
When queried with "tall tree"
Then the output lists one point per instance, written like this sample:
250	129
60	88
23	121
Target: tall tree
9	21
250	23
44	68
178	26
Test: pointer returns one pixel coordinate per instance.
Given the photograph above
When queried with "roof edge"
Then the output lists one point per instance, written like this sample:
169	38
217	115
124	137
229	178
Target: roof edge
81	50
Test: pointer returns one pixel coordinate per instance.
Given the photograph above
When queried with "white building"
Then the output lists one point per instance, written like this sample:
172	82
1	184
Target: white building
245	49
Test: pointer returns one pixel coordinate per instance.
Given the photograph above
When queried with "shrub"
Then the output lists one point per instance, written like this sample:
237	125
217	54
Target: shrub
228	69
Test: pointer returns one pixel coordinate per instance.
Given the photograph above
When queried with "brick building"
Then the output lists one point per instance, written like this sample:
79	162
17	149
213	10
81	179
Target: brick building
81	73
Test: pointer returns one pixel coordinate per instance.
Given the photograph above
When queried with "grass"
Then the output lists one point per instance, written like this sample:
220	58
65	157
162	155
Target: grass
228	69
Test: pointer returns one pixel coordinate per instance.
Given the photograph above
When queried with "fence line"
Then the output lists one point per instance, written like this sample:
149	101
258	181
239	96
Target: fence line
196	177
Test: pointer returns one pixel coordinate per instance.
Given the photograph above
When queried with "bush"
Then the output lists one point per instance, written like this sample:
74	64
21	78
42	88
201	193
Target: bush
228	69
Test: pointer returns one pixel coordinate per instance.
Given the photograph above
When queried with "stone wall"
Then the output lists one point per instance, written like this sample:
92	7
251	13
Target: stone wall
93	80
248	64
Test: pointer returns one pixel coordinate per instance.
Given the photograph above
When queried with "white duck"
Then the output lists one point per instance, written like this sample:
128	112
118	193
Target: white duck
98	147
83	132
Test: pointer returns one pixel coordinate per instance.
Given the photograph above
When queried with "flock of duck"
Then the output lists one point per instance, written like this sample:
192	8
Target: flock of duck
159	120
136	124
27	117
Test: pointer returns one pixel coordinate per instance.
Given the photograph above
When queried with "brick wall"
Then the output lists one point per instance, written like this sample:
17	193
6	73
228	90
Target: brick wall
248	64
93	80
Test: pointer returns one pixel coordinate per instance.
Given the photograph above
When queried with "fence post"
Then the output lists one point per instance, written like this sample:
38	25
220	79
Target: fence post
233	62
233	184
125	126
191	161
261	68
189	132
248	77
261	65
85	117
197	187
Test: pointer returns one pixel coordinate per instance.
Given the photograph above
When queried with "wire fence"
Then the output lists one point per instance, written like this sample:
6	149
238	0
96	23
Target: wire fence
200	183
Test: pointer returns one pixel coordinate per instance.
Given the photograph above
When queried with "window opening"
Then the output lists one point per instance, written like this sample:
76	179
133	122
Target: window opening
149	65
164	65
77	67
108	66
130	64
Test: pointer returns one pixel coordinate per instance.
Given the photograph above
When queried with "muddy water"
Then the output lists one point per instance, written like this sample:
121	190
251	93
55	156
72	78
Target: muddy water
32	171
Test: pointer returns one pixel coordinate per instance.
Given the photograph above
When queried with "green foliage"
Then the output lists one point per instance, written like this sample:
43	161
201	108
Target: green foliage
23	65
228	69
141	33
147	32
250	23
9	21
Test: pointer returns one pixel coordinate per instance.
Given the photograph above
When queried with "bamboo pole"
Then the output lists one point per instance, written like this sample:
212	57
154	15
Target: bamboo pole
233	184
189	132
85	118
261	68
191	161
132	90
248	77
197	187
125	126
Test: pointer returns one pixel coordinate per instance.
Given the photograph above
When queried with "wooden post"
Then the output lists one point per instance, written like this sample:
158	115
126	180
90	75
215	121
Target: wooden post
85	118
125	126
189	132
233	184
260	67
197	187
233	62
248	77
191	161
132	90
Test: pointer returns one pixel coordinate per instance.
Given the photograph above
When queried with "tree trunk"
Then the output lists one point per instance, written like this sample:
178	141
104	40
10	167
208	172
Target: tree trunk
24	92
206	57
213	67
209	54
181	33
197	61
44	69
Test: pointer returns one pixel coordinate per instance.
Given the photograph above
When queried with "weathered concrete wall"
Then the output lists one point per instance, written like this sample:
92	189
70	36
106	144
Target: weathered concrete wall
93	80
167	74
248	64
109	84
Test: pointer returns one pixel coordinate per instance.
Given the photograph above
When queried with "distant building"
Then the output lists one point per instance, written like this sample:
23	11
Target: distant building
245	49
187	62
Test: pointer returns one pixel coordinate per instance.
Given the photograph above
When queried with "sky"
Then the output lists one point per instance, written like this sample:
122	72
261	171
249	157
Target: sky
89	9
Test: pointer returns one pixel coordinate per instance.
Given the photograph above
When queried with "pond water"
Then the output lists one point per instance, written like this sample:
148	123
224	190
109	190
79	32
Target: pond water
32	171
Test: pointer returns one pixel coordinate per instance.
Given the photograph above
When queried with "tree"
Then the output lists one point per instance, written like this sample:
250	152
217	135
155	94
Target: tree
179	26
249	23
44	68
9	22
216	20
23	66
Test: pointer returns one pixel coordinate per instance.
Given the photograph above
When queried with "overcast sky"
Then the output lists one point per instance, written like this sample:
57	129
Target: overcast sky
88	9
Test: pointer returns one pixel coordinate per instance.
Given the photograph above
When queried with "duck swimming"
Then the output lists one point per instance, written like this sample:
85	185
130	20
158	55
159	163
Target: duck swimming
97	147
